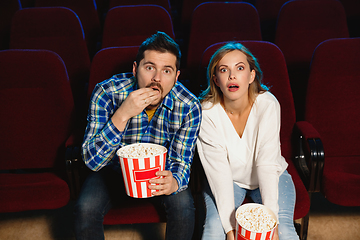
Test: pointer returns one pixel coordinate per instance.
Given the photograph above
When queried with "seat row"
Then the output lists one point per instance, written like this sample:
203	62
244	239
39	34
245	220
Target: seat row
35	87
63	30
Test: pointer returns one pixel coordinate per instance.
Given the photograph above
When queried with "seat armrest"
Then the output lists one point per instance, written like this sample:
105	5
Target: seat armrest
74	163
309	155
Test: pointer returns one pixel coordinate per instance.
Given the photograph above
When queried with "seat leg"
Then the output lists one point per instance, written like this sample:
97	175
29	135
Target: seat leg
304	227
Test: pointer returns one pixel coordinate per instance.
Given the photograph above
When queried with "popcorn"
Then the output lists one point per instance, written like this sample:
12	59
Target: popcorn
255	219
139	151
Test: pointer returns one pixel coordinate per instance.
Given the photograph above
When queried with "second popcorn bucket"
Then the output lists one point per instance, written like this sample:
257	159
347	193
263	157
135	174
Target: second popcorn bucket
139	162
255	222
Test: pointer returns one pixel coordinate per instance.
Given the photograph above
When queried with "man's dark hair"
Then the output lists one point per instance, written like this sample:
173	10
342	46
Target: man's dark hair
161	42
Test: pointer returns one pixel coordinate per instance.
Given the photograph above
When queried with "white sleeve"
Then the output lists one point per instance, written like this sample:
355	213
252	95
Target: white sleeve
268	156
213	156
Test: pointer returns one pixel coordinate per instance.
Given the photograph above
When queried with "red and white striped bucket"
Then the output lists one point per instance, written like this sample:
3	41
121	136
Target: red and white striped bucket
245	234
138	171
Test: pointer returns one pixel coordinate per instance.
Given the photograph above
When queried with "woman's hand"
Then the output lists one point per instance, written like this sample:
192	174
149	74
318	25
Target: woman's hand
230	235
276	233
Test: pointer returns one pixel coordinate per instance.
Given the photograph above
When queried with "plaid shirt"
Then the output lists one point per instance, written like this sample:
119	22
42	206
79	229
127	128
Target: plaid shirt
175	125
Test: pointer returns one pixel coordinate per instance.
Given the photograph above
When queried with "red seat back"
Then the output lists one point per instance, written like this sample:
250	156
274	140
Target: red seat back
233	21
37	104
332	98
110	61
131	25
332	103
303	24
57	29
88	15
163	3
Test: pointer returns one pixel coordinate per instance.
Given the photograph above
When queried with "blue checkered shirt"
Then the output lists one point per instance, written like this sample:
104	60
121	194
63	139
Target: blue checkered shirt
174	125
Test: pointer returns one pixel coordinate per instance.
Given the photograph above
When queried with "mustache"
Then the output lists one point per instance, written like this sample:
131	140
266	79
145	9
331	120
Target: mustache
155	84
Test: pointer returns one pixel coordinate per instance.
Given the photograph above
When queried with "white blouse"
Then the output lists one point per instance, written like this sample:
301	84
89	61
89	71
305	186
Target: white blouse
251	161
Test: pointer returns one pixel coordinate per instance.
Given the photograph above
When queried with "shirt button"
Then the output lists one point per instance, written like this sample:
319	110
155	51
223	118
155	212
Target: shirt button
115	140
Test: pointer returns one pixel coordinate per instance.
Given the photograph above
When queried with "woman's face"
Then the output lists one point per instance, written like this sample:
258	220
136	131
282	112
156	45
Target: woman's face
233	75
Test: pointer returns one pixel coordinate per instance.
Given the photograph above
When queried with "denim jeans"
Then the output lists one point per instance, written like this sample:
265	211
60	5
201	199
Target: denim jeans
98	195
213	227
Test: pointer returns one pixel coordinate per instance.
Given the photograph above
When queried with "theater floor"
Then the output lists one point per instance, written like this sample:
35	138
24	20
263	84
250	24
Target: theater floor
327	221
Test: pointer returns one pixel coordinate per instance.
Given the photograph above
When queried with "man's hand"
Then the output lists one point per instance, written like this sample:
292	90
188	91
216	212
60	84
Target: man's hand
165	185
133	105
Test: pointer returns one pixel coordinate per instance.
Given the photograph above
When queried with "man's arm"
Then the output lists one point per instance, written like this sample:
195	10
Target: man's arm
105	127
180	153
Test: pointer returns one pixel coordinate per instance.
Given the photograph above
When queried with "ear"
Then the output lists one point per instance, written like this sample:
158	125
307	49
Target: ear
252	76
134	68
177	75
215	79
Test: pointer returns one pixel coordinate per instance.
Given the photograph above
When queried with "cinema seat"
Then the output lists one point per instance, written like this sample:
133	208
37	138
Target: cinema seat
332	103
123	29
234	21
301	26
88	15
57	29
37	120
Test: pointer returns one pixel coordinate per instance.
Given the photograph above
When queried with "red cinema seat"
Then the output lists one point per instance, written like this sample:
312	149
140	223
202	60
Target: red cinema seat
37	121
163	3
301	26
57	29
88	15
228	25
332	103
131	25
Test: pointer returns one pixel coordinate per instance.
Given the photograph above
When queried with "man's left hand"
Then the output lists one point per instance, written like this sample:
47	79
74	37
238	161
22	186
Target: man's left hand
165	185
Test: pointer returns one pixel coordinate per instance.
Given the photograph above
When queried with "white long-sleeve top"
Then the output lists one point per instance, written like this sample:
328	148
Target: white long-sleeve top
252	161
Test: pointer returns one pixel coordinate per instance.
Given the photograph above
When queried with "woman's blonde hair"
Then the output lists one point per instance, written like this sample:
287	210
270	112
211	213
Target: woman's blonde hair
213	93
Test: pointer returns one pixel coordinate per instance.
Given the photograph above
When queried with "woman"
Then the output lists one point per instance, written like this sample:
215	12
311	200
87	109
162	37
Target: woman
239	145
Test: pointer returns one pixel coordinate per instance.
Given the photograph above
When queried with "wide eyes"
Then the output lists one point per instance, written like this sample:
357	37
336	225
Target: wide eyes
149	68
152	68
167	71
224	69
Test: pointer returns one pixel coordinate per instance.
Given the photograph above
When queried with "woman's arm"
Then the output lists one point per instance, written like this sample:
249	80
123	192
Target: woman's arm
268	156
213	156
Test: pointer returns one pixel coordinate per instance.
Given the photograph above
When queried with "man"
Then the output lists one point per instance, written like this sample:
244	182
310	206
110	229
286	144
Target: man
152	107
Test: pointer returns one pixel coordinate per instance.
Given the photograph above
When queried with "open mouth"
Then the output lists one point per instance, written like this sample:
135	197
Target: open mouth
156	89
233	86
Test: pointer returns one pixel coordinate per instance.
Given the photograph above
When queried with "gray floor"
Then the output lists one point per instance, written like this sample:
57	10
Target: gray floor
327	221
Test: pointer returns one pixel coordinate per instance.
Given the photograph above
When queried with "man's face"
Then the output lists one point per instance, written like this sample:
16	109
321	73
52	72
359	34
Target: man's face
157	71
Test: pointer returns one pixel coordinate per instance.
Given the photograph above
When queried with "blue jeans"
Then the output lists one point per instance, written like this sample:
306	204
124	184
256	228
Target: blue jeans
213	228
97	197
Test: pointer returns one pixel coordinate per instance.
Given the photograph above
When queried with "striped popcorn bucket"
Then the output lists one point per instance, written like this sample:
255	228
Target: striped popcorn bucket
138	171
244	234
